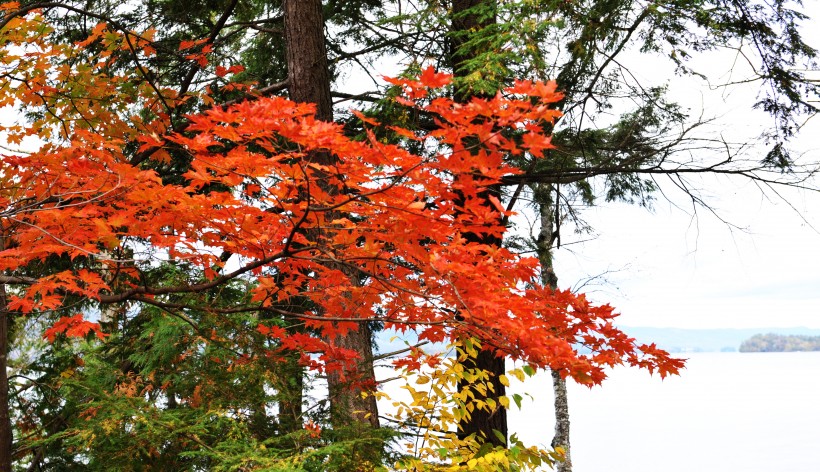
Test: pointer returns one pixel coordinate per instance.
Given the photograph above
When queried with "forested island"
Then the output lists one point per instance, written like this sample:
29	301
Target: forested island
772	342
708	340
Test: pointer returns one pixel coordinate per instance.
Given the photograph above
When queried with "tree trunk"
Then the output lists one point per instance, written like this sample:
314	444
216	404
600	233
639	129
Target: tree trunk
561	437
347	405
6	434
308	74
482	423
309	82
546	207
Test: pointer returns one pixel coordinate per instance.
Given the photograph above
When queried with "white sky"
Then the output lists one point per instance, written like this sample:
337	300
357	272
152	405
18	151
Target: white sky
670	270
676	270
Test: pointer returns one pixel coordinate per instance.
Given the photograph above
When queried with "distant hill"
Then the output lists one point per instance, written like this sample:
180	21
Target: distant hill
706	340
771	342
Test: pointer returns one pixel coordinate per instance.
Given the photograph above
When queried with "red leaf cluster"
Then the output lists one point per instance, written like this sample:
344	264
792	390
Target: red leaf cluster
73	326
386	226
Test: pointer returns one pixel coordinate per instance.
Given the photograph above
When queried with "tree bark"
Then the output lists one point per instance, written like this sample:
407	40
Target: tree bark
309	82
482	423
308	74
546	235
347	406
561	437
6	433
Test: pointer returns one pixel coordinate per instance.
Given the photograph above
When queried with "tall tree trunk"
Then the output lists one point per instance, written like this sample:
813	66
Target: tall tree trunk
465	21
308	74
309	81
6	434
484	423
347	405
561	437
546	206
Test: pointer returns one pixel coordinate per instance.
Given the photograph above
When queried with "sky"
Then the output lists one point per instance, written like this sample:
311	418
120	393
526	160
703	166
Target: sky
677	267
668	268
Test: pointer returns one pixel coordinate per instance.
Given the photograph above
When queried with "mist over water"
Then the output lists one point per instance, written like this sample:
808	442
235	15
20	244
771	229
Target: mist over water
750	412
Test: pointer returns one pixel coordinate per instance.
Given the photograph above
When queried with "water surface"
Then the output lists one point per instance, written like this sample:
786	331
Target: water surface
750	412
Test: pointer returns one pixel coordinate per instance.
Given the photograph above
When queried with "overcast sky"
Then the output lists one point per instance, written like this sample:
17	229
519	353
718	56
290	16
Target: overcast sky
671	267
667	269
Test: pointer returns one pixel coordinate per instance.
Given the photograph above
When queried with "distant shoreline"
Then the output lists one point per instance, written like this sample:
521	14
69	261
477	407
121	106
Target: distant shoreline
772	342
678	340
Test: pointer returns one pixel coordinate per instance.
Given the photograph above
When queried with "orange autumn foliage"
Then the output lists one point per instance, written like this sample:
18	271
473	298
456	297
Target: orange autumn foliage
386	226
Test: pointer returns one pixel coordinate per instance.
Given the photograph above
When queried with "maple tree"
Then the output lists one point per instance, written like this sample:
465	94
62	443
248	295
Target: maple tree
84	227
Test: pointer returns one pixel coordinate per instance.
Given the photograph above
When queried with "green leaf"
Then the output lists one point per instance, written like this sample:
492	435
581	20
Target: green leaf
500	436
517	399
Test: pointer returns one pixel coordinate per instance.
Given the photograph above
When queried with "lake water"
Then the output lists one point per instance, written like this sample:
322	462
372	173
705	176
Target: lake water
750	412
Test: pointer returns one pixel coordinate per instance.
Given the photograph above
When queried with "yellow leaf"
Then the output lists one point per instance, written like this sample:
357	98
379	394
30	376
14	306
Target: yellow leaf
505	401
